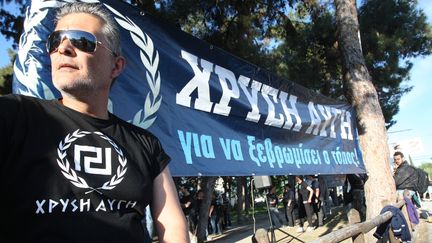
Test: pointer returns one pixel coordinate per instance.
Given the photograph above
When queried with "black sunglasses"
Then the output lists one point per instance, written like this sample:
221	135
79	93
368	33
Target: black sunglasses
82	40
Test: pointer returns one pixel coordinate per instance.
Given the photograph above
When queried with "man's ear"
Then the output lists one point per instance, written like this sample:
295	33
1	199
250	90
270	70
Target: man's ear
119	65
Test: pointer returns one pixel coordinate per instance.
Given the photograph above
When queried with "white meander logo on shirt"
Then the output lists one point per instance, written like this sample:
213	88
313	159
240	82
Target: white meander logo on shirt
89	162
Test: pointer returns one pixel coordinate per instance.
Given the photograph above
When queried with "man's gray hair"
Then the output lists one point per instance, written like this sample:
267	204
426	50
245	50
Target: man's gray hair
110	28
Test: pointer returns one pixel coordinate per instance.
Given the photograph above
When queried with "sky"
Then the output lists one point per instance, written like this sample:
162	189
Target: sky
414	120
413	130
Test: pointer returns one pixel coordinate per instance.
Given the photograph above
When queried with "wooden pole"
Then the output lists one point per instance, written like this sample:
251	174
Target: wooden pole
349	231
261	236
354	218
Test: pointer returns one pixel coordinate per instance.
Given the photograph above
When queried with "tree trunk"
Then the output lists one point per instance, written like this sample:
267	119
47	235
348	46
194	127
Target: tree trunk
207	186
360	91
240	199
247	198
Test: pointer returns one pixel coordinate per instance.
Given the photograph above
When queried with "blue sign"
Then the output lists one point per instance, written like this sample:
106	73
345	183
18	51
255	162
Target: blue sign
214	113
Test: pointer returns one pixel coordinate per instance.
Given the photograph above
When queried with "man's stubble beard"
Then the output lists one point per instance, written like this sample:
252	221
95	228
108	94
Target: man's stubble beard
79	88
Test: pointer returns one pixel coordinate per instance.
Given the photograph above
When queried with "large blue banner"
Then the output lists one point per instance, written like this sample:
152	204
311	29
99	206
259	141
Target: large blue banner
214	113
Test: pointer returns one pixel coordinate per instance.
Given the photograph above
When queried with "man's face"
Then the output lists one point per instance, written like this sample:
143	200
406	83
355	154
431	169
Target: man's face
398	160
75	71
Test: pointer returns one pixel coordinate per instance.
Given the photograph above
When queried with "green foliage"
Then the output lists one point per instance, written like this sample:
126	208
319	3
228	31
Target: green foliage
308	53
428	168
392	33
6	73
239	27
11	23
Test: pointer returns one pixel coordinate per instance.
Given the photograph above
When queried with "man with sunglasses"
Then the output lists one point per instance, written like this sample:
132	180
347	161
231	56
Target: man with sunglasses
70	170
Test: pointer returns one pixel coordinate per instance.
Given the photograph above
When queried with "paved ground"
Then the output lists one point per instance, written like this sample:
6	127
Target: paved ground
243	234
424	232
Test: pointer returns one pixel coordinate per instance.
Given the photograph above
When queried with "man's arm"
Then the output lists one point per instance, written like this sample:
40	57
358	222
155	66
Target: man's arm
311	193
317	194
186	204
403	174
168	216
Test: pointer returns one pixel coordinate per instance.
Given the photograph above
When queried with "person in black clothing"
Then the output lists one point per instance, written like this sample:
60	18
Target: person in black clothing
199	197
405	175
71	170
285	201
273	201
317	200
323	197
305	193
188	207
216	215
226	211
356	194
289	203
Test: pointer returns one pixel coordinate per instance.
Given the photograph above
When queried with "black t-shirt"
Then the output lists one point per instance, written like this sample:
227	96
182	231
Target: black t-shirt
197	206
324	193
291	195
272	199
315	186
304	191
214	204
185	199
69	177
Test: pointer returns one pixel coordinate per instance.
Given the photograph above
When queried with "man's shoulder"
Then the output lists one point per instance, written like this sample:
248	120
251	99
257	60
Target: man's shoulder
406	166
132	127
20	98
11	103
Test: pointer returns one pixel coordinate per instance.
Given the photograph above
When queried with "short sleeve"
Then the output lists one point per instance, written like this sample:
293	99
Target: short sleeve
160	158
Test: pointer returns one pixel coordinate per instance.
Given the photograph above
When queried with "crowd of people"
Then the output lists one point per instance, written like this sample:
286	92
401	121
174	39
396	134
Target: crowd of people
303	202
219	216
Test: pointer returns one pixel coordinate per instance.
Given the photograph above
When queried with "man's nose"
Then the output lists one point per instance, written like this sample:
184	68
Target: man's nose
66	47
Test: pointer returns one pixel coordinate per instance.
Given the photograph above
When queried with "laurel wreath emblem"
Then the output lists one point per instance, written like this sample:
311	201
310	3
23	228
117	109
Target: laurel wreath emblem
150	59
80	182
30	79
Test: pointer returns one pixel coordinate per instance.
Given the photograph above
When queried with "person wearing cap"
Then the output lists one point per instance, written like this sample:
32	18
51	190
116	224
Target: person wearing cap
72	171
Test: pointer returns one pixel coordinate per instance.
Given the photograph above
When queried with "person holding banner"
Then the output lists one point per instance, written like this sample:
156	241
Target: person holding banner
70	170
